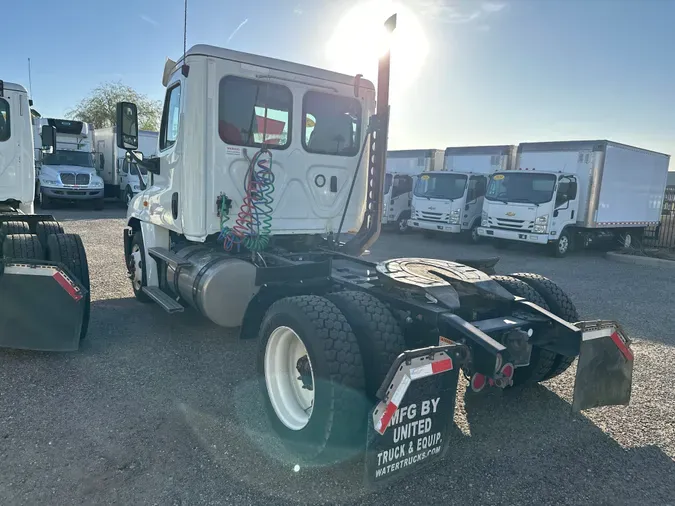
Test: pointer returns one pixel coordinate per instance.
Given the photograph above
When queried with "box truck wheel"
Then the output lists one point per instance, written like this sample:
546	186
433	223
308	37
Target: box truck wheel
402	223
378	333
563	245
13	227
22	246
67	249
473	233
136	267
560	304
312	379
541	361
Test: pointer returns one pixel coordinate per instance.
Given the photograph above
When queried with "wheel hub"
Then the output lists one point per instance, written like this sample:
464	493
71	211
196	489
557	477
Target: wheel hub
136	267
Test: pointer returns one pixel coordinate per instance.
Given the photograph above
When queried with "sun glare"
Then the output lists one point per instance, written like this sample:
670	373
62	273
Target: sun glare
360	39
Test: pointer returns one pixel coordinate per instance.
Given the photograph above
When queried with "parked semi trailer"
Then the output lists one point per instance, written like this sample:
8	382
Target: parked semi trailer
68	173
403	167
452	200
567	194
44	278
120	173
352	355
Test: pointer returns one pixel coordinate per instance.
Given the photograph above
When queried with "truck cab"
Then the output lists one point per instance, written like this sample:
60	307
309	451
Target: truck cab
17	175
530	206
451	200
69	172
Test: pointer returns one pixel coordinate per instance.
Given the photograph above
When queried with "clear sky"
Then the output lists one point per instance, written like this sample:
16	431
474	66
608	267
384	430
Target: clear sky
465	72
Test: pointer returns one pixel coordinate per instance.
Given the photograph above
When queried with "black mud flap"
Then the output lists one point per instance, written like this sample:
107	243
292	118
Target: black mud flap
410	428
605	368
41	308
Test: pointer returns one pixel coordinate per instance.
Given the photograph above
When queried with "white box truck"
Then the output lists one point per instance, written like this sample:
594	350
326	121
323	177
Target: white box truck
68	173
119	174
451	200
403	167
574	193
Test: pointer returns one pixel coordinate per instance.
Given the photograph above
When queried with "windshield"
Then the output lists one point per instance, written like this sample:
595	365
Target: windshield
521	187
387	183
64	157
440	186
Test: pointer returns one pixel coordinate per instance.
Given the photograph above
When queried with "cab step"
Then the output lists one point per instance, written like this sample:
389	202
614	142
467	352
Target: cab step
168	257
165	301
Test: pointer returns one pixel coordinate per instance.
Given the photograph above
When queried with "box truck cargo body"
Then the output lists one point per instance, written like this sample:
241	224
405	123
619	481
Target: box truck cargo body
451	200
403	167
119	173
574	193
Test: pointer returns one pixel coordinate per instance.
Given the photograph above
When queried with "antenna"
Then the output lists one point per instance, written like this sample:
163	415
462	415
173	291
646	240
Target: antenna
185	69
30	80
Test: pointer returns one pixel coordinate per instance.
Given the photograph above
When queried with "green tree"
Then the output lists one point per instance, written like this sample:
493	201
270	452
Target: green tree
99	108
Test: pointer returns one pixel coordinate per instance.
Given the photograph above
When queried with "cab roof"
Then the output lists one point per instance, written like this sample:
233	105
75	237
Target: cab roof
273	63
13	87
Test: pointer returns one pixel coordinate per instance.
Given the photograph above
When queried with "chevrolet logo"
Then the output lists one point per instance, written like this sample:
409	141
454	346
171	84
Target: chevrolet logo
510	213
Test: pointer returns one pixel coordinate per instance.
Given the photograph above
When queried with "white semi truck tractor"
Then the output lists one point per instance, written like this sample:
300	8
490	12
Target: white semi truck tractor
575	193
403	167
451	200
119	172
44	277
68	173
243	220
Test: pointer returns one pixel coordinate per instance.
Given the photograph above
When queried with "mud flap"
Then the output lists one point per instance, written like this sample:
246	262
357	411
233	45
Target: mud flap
605	368
410	428
42	306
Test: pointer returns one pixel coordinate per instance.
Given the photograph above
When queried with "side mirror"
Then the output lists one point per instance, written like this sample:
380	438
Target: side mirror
127	126
48	135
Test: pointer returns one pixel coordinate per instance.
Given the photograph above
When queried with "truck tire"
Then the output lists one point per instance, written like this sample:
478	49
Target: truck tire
67	249
128	195
402	223
559	304
43	229
541	361
136	268
378	333
14	227
320	414
472	233
563	245
22	247
99	204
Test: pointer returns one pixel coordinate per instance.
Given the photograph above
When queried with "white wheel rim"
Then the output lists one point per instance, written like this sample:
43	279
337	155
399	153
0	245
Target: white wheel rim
402	224
129	197
474	234
292	403
627	240
563	243
137	273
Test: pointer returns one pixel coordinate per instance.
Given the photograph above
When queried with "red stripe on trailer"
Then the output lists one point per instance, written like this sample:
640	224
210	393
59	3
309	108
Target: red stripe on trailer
441	365
386	417
622	346
61	280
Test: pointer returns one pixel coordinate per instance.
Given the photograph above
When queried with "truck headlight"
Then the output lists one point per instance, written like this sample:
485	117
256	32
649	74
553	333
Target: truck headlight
484	219
97	184
541	220
541	224
540	229
52	182
454	217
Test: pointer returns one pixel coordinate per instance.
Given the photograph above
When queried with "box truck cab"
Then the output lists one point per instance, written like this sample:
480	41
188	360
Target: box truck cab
566	194
17	175
68	173
403	167
451	200
120	175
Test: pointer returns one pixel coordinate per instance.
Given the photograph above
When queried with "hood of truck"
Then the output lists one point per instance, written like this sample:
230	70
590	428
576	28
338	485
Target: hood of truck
514	215
435	209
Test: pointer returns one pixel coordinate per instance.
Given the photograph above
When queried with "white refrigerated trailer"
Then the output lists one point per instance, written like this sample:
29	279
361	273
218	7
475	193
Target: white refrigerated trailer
451	200
120	174
570	193
403	167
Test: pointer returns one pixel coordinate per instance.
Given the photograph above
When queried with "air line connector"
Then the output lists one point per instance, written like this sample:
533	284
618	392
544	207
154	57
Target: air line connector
223	204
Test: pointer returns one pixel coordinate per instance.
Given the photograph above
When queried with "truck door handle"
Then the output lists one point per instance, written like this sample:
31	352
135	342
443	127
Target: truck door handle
572	217
333	184
174	205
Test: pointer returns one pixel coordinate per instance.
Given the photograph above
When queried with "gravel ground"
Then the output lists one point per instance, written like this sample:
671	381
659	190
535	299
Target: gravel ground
164	410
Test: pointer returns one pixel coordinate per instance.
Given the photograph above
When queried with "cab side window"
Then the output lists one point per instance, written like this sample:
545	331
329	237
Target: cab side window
477	187
402	184
170	118
5	130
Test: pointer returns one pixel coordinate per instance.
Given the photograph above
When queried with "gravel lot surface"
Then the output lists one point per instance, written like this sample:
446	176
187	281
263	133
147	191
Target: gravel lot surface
163	410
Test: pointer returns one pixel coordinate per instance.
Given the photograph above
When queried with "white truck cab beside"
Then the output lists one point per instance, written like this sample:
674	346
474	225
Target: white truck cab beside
575	193
403	167
451	200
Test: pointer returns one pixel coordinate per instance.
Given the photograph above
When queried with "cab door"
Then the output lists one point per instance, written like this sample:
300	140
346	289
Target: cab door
474	200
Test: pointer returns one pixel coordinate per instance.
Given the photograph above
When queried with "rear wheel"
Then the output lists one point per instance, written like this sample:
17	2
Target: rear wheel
67	249
312	378
14	227
44	229
22	247
541	361
559	304
378	333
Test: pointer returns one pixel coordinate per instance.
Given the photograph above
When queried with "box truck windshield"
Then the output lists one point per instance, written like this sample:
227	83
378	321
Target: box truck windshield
527	187
441	186
65	157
